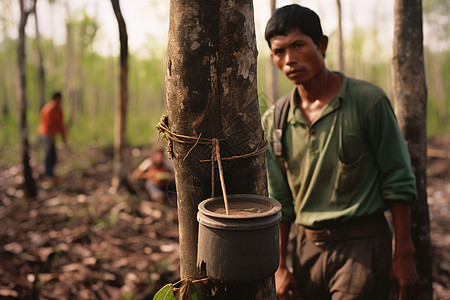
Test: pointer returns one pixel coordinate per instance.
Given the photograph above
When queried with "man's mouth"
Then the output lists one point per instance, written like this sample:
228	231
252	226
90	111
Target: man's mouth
293	73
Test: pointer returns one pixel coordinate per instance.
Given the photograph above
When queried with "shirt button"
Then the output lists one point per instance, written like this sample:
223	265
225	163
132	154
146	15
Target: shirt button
312	131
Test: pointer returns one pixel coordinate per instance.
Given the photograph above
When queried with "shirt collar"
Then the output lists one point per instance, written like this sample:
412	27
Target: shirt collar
295	114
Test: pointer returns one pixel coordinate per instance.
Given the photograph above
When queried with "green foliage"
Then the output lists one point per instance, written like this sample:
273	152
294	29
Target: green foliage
437	16
88	129
435	124
9	140
187	290
127	295
141	128
437	70
89	83
166	293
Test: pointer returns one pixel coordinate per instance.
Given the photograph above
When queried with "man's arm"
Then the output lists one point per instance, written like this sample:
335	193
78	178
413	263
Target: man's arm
139	172
405	280
279	189
285	283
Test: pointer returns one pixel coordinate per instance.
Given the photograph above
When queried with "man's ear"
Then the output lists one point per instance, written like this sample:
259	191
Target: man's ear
323	44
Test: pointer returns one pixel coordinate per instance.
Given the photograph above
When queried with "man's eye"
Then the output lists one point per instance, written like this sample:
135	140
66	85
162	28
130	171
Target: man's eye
277	52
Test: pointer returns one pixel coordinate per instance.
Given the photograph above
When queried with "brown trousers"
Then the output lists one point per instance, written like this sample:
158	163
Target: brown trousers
344	270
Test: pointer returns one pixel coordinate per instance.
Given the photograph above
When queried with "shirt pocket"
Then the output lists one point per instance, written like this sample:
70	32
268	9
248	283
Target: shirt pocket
348	175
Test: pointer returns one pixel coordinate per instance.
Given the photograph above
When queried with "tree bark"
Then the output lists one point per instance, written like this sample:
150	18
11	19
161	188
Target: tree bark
272	78
69	61
40	62
119	171
74	65
211	91
29	185
340	44
410	96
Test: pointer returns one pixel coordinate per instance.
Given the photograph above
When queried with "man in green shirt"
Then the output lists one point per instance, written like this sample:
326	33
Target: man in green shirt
344	164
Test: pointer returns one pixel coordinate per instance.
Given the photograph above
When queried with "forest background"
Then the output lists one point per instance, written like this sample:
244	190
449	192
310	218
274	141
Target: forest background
71	235
80	56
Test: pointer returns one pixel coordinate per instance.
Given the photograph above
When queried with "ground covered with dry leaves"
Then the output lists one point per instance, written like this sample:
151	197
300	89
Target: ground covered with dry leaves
82	240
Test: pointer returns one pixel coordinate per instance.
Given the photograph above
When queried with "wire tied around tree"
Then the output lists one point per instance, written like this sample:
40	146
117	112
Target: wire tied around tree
171	136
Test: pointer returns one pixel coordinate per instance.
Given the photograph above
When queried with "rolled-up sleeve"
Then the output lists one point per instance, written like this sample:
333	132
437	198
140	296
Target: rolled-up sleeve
396	176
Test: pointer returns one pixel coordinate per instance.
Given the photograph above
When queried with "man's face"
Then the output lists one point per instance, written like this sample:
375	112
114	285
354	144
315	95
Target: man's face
158	158
297	56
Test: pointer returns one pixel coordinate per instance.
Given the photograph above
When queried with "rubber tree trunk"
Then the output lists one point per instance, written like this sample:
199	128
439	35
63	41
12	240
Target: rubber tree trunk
272	74
29	185
70	69
340	43
39	58
119	170
74	76
410	95
212	92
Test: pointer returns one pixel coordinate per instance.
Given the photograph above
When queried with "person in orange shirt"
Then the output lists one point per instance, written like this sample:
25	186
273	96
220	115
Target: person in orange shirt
51	123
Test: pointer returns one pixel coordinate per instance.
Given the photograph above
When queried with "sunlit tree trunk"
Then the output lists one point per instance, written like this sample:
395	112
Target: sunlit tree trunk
340	44
272	81
29	185
119	171
438	86
212	92
40	62
69	61
8	66
410	96
74	69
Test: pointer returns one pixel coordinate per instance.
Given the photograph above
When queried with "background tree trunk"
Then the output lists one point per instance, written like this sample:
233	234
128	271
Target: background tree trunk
438	86
69	61
272	75
9	68
75	48
211	91
410	97
39	59
29	185
120	120
340	43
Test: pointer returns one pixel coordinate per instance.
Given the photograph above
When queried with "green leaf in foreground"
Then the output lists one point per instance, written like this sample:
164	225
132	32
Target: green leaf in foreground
166	293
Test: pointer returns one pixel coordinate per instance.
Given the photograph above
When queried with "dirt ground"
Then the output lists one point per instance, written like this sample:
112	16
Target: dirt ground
81	239
438	190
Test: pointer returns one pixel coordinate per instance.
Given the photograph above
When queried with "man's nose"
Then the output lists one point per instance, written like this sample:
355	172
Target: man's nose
289	57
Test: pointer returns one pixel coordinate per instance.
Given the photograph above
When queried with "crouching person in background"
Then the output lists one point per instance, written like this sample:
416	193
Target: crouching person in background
158	175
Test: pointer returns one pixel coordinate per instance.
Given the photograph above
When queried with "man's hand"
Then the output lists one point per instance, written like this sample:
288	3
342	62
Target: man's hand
404	278
285	284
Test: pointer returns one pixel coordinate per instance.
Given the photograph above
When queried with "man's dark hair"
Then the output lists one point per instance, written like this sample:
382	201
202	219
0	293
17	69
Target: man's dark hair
294	17
56	95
